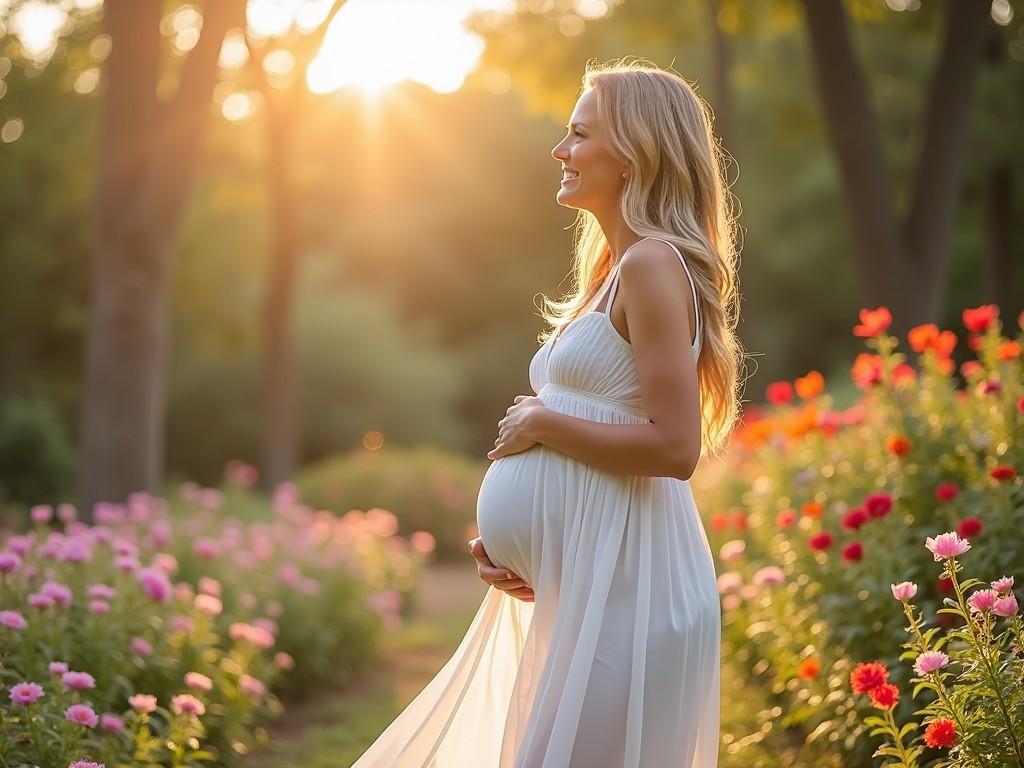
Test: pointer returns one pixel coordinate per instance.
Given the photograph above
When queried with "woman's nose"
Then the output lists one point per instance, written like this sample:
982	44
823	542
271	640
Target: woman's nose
558	153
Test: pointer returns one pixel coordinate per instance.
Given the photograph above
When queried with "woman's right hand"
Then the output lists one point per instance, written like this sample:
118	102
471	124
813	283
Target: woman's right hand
502	578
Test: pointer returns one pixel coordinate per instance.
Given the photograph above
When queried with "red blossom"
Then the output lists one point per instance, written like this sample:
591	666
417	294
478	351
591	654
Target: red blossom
779	392
971	368
968	527
947	491
1020	404
867	370
1002	472
854	519
878	504
928	337
809	668
873	322
945	585
884	696
1008	350
903	372
897	445
978	319
719	522
820	541
940	734
785	518
868	675
853	552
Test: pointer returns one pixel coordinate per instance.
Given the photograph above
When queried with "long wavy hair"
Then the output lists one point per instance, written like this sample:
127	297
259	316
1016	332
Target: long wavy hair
661	129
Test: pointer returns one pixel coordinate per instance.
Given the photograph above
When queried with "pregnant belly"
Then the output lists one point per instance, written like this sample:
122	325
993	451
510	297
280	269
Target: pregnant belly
509	508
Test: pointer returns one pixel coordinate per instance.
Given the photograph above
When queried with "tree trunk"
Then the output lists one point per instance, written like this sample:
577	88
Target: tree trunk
721	69
1000	229
148	157
902	266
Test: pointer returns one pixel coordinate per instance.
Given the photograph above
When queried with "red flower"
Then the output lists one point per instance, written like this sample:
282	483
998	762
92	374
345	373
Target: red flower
809	668
978	320
946	491
969	527
971	368
820	541
868	675
1020	404
990	387
945	585
719	522
867	370
853	552
940	734
878	504
1008	350
898	445
779	392
873	322
884	696
928	336
903	372
785	518
854	519
1002	472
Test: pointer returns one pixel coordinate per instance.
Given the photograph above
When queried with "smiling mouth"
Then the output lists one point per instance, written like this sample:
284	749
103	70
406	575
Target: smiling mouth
569	176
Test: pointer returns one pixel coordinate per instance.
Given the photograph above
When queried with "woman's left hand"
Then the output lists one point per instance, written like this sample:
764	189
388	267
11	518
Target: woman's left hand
514	431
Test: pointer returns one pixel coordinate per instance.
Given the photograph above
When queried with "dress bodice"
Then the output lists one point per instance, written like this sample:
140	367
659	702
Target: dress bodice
590	356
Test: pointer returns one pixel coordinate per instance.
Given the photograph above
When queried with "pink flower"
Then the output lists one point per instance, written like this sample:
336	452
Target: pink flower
155	584
60	593
87	764
732	550
904	591
140	646
206	547
41	514
251	685
284	660
930	661
143	703
67	512
99	607
111	723
12	620
730	581
26	693
76	681
946	546
101	592
1004	584
127	563
82	714
9	562
209	586
1005	606
768	576
209	605
198	681
58	667
983	600
40	601
185	704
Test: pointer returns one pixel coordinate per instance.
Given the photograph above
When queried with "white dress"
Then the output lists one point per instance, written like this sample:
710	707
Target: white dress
616	663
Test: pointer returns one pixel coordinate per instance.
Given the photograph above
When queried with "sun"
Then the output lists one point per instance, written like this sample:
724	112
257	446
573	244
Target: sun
373	44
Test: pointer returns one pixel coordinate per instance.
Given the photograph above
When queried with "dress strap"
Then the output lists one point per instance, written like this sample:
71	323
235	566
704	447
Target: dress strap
693	285
611	290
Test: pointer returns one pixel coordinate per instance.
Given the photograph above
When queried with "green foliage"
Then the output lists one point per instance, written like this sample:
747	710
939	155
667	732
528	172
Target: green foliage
36	455
425	488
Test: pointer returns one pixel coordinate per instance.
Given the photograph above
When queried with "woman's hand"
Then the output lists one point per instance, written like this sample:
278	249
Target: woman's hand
514	431
502	578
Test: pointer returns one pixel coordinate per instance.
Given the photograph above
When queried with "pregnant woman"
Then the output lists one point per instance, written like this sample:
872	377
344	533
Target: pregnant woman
602	648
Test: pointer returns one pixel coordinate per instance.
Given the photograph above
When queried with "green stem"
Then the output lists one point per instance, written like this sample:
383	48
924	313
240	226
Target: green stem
898	739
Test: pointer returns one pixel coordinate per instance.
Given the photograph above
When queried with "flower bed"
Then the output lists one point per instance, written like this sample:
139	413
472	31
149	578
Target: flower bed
819	511
163	633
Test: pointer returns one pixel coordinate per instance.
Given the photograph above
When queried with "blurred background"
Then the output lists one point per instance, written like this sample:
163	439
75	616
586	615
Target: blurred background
279	231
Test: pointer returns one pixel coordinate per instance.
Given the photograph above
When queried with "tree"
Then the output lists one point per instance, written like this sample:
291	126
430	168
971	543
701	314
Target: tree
148	157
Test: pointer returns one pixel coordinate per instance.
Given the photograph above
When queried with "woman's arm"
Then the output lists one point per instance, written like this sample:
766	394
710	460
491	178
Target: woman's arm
656	297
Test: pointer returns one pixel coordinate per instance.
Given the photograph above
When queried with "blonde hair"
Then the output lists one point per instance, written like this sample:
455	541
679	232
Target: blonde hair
657	125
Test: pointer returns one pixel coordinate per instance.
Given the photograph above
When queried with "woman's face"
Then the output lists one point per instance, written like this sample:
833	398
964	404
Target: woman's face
591	178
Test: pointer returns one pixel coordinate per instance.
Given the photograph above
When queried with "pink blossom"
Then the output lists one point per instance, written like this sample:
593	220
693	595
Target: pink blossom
185	704
251	685
67	512
9	562
946	546
929	662
1005	606
58	667
257	636
21	544
122	546
143	703
284	660
165	562
904	591
106	513
37	600
206	547
77	681
99	607
1004	584
209	586
727	582
12	620
209	605
769	576
983	600
241	474
181	624
155	584
732	550
74	551
183	591
140	646
82	714
41	514
59	592
127	563
111	723
101	592
198	681
26	693
86	764
275	608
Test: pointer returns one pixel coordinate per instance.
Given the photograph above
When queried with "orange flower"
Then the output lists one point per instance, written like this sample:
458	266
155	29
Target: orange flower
898	445
809	668
801	422
811	385
903	372
812	509
873	322
867	370
1009	350
928	336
